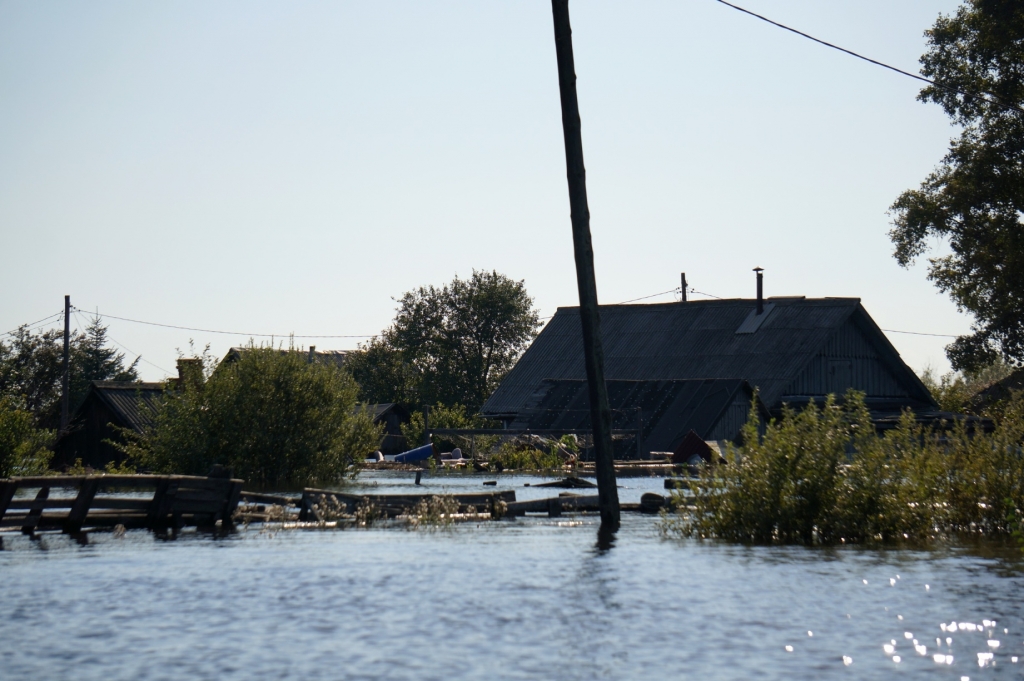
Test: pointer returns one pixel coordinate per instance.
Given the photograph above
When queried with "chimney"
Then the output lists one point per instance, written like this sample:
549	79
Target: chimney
760	290
312	353
682	278
190	372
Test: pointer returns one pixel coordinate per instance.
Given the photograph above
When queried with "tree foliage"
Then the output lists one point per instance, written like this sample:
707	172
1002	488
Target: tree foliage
450	345
24	449
974	200
32	365
274	418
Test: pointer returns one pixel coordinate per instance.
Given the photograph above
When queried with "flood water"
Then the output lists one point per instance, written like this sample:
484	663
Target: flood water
533	598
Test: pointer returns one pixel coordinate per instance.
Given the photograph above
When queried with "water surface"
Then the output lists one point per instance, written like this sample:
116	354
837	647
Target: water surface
532	598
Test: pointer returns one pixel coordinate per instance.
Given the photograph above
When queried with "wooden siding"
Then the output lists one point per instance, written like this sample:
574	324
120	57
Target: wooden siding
847	361
728	427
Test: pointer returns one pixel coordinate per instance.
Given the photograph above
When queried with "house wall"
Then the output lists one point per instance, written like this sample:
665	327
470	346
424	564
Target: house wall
85	440
848	361
728	427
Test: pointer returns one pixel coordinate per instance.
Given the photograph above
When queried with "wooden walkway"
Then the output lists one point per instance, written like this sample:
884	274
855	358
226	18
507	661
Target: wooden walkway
132	501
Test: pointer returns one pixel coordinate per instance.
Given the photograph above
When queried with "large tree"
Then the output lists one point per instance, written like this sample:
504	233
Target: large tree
31	367
974	200
449	345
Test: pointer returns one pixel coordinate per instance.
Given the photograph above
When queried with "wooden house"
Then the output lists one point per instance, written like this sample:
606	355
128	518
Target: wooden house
693	365
124	404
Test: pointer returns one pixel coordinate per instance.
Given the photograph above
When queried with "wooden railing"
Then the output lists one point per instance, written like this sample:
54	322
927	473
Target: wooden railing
155	501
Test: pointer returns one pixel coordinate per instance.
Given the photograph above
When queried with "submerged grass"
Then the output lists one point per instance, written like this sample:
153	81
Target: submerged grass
434	513
825	476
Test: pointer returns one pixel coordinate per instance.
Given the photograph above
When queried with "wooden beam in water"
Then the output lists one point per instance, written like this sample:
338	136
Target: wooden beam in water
35	512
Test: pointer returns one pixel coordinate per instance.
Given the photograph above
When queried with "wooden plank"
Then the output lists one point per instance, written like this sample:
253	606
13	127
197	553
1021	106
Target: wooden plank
467	498
80	509
119	504
191	482
32	519
7	490
577	503
28	504
260	498
202	495
231	503
190	507
162	499
50	481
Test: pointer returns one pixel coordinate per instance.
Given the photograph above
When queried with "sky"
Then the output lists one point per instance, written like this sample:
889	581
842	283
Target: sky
294	167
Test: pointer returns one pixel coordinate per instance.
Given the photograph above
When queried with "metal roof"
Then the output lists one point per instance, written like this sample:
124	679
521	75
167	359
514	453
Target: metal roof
134	403
696	340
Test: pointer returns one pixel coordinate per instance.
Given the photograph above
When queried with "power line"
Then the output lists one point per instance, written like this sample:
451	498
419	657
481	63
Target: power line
920	333
229	333
990	98
138	356
653	295
28	327
701	293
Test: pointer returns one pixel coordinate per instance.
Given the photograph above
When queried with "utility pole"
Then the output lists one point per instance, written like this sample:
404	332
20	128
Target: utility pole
586	280
66	379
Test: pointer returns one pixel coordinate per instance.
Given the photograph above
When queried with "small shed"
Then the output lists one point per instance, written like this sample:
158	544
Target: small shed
124	404
391	416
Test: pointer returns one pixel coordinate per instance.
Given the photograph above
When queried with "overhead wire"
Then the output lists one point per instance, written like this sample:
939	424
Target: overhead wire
232	333
29	327
984	96
921	333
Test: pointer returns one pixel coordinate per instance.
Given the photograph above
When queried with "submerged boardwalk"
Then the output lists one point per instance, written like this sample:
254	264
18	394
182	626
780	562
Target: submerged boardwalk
71	503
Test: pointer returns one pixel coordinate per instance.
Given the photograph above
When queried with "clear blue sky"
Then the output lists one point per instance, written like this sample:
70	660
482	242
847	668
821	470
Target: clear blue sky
294	166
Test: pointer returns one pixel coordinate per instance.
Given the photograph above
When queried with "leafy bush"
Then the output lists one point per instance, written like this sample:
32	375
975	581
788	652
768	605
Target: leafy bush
823	475
456	416
24	449
271	416
513	456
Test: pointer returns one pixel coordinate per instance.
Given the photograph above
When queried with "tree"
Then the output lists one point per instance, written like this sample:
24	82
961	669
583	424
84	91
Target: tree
24	449
32	364
450	345
974	200
273	417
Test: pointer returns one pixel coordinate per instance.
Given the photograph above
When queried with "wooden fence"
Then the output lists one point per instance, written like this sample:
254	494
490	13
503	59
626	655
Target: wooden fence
133	501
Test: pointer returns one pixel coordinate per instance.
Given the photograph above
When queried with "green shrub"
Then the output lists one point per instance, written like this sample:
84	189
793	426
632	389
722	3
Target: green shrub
514	456
823	475
24	449
275	419
456	416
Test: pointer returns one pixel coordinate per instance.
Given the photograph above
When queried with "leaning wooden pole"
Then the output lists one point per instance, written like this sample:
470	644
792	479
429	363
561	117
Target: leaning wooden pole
586	281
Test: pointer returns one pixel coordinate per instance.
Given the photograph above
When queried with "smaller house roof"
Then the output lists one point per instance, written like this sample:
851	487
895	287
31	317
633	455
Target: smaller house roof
379	411
133	403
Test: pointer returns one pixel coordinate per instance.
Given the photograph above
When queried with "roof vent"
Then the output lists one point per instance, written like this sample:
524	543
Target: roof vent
760	290
757	316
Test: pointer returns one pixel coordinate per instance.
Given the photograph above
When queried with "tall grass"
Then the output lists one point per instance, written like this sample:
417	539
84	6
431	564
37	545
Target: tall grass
823	475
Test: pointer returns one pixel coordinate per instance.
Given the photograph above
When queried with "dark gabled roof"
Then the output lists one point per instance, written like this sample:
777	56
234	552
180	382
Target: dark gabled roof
698	340
133	403
670	409
379	411
999	391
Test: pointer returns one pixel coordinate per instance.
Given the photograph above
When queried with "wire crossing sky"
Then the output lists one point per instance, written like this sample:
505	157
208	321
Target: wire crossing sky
298	166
